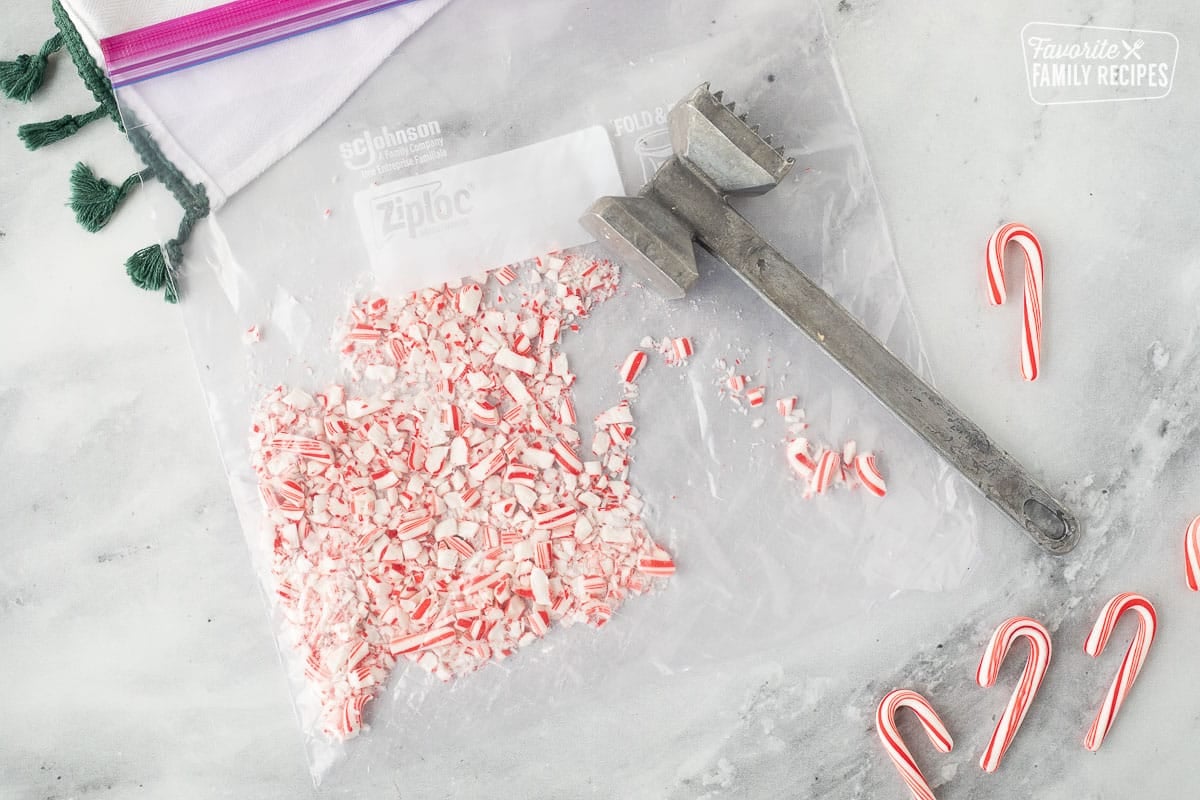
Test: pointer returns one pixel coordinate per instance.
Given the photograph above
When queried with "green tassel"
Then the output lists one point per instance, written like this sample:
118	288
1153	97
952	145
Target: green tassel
40	134
21	78
94	200
157	267
148	269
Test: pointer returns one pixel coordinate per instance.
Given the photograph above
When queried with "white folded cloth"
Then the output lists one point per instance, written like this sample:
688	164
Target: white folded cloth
204	119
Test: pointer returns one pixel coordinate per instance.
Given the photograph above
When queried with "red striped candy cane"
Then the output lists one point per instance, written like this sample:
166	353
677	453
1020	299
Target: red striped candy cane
1031	338
1135	657
1002	639
1191	547
885	724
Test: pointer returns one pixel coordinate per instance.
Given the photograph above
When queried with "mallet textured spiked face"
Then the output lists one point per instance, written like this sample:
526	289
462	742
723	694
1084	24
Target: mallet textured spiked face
723	146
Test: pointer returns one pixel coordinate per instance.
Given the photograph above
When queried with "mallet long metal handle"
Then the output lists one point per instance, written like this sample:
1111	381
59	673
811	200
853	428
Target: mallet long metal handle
728	236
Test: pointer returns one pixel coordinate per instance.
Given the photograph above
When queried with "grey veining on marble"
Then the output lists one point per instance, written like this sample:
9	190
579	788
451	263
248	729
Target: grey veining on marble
136	660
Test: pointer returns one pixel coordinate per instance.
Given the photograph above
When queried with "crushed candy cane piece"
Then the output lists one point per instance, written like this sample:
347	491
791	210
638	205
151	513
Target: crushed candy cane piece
829	464
682	348
505	275
634	363
869	475
442	514
798	457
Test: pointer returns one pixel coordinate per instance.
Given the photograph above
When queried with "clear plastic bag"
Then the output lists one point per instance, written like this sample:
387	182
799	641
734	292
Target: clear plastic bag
760	566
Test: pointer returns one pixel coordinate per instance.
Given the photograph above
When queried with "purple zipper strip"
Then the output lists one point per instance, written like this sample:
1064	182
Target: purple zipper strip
222	31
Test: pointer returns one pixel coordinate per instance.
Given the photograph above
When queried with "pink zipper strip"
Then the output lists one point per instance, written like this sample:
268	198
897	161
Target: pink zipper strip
222	31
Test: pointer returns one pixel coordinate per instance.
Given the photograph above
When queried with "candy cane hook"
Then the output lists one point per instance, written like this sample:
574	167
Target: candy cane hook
885	724
1031	333
1002	639
1191	551
1135	657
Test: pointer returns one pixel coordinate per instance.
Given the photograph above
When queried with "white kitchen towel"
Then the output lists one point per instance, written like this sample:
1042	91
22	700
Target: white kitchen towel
225	121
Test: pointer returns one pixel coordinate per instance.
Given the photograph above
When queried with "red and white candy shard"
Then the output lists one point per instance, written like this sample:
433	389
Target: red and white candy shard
889	735
869	475
799	458
829	469
448	518
825	467
634	363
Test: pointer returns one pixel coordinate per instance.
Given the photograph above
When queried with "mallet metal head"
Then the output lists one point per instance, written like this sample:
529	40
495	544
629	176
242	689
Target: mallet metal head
717	146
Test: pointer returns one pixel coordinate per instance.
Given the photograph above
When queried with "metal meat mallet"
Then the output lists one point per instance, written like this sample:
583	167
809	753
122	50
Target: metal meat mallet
718	154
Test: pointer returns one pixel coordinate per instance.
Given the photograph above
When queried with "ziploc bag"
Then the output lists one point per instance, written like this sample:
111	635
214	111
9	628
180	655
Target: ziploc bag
369	300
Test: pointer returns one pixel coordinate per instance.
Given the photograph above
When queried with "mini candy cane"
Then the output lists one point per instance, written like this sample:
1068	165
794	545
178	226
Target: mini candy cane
885	724
1191	547
1135	657
1031	680
1031	338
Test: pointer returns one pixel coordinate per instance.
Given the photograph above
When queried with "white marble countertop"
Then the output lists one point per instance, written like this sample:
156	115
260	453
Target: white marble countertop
137	657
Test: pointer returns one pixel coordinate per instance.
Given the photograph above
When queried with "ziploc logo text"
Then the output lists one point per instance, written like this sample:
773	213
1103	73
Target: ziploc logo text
415	210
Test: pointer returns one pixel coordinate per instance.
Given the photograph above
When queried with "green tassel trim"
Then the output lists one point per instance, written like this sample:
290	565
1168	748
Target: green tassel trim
91	73
40	134
21	78
94	200
147	268
151	267
191	197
